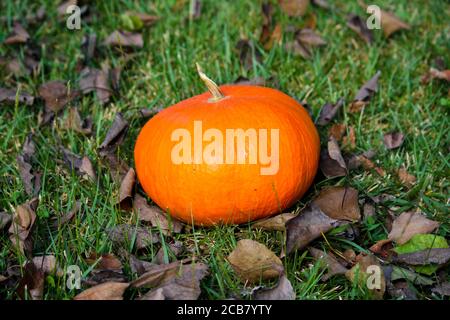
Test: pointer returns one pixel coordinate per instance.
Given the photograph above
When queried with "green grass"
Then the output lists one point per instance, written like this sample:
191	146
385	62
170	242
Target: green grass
163	73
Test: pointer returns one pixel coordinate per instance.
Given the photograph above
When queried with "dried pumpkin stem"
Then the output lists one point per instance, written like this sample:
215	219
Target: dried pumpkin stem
212	86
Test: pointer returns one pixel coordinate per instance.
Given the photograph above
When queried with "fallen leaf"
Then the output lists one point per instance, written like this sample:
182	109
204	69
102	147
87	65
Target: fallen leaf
156	273
9	96
183	283
357	24
31	178
156	294
402	273
307	226
393	140
390	23
124	234
253	261
22	226
48	265
409	224
298	49
340	203
436	74
248	54
147	113
18	35
172	249
115	135
294	8
126	190
309	38
96	80
349	140
424	257
74	122
365	93
368	266
443	289
56	95
155	216
333	265
124	39
362	160
332	164
81	165
329	111
31	285
402	290
117	167
106	261
277	222
140	266
283	290
104	291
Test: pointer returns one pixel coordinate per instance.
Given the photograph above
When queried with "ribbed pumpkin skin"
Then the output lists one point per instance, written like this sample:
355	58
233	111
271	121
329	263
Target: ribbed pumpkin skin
228	193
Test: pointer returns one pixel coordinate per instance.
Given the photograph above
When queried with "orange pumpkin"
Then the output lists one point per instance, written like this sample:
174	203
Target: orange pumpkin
232	155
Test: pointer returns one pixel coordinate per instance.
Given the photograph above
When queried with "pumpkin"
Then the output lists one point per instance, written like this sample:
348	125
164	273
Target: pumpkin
231	155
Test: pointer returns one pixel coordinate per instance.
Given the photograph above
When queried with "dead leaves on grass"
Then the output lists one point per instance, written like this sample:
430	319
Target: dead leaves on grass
31	178
10	96
365	93
114	136
283	290
20	231
104	291
253	261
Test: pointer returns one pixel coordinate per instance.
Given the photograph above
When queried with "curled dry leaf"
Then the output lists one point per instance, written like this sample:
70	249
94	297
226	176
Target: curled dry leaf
409	224
104	291
126	190
147	113
9	96
172	249
436	74
96	80
104	261
18	35
277	222
81	165
283	290
340	203
294	8
357	24
155	216
253	261
363	160
31	285
425	257
22	226
74	122
365	93
329	111
124	234
108	268
181	283
309	38
406	178
31	178
124	39
390	23
56	95
333	265
140	266
393	140
307	226
48	265
156	273
332	163
366	266
115	135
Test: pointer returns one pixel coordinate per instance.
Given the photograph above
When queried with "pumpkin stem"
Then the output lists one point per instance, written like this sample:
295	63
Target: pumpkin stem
212	86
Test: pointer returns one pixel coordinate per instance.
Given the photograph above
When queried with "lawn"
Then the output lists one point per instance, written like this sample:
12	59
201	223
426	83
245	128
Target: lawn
163	73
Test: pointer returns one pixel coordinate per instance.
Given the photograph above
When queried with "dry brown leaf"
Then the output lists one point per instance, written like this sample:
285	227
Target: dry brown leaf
74	122
253	261
31	178
332	164
309	38
56	95
81	165
18	35
365	93
333	265
294	8
357	24
425	257
340	203
106	261
114	136
9	96
22	226
308	225
390	23
393	140
5	220
97	80
329	111
48	265
366	266
124	39
283	290
104	291
409	224
125	233
31	285
127	189
407	179
277	222
173	250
